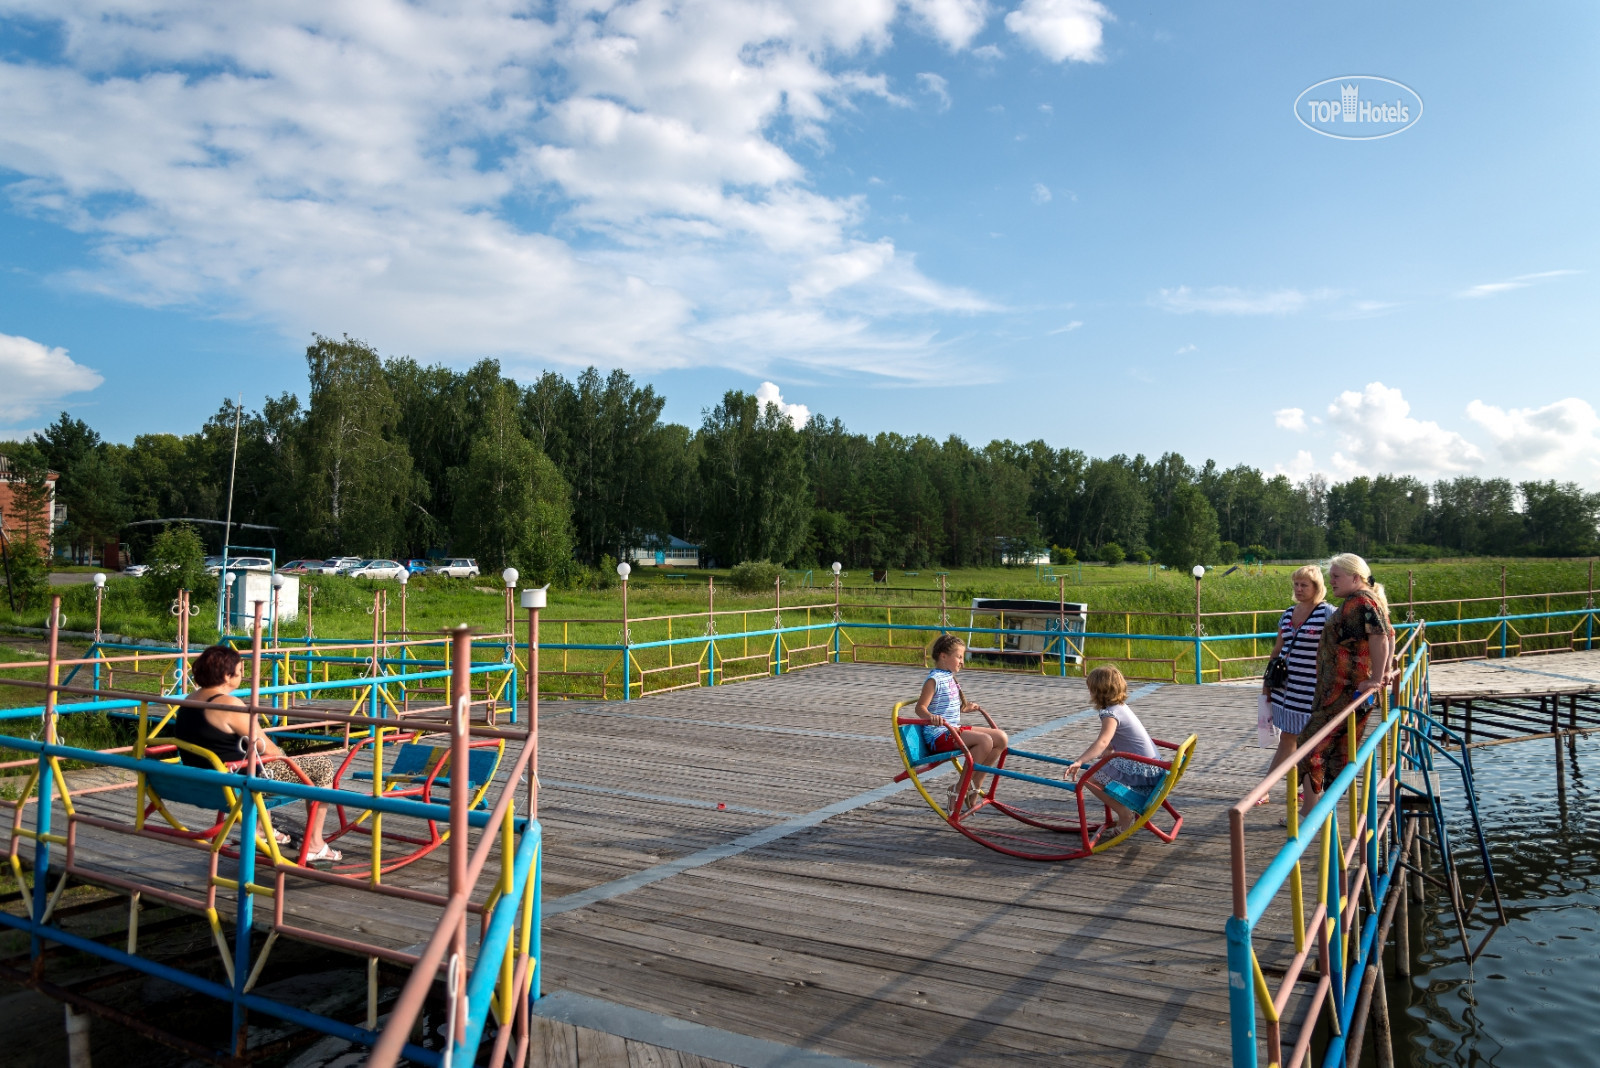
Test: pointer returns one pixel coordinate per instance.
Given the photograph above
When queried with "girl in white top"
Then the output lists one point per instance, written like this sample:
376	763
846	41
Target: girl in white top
942	703
1120	732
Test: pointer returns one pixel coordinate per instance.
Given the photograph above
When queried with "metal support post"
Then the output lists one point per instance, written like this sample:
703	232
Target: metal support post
244	912
460	757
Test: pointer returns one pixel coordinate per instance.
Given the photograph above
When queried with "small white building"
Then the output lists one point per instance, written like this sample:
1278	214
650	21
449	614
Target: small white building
674	552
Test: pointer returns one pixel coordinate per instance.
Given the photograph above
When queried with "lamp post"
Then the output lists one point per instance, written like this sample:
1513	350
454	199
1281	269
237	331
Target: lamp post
99	598
1199	573
278	582
405	582
228	578
837	567
533	599
623	571
509	577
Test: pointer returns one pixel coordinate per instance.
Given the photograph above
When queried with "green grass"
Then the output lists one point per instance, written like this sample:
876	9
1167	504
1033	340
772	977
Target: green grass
342	607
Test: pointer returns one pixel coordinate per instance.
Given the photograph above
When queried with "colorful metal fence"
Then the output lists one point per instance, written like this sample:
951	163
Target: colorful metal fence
1355	861
503	866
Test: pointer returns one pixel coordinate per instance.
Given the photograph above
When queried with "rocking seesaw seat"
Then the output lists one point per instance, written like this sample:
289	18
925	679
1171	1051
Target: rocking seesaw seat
1068	835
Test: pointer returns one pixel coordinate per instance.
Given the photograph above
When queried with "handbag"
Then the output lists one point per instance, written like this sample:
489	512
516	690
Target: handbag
1277	673
1266	732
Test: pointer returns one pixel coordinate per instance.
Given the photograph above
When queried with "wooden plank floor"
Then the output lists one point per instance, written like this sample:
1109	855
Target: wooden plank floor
1577	672
878	934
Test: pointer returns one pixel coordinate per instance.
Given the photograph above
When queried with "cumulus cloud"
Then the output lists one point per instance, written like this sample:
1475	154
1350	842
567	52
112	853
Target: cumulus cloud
768	393
937	87
1290	418
1062	30
597	183
955	22
1521	281
1228	300
1562	438
1041	193
1378	434
36	375
1302	466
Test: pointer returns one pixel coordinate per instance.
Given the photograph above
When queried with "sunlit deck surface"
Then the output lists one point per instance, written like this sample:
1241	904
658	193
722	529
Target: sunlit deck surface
1577	672
736	858
878	934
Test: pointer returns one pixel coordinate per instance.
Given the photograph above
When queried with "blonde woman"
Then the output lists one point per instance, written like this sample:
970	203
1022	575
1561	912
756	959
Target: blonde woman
1352	664
1299	635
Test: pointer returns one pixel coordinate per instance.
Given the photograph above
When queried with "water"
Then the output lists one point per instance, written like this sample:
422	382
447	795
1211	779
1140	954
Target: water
1531	997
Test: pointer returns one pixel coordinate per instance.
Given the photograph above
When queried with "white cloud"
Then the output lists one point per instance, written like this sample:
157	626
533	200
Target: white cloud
1228	300
36	375
989	53
768	393
1562	438
1302	466
955	22
605	182
1041	193
1182	349
937	87
1290	418
1521	281
1378	434
1061	29
1069	328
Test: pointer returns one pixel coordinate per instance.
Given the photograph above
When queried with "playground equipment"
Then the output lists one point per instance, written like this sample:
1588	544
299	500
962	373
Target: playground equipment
1072	834
128	831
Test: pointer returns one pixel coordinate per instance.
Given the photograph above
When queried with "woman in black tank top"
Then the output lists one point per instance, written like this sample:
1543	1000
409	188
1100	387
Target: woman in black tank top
220	670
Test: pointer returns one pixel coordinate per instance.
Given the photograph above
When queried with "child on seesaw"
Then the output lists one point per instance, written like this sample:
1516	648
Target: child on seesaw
942	703
1120	732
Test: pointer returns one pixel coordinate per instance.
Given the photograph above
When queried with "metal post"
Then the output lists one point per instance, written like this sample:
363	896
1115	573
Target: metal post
533	713
777	625
1402	938
311	632
1198	678
836	612
944	603
1411	596
627	655
460	714
244	913
711	629
41	844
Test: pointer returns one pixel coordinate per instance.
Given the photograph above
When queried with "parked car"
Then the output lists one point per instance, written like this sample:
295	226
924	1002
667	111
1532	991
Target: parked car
238	563
301	567
418	567
458	567
136	570
339	565
379	569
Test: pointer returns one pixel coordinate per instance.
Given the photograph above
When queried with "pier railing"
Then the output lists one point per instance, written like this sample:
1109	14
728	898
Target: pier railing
1276	944
497	883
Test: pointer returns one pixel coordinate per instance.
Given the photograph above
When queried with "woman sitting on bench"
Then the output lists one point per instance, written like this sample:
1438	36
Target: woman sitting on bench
219	671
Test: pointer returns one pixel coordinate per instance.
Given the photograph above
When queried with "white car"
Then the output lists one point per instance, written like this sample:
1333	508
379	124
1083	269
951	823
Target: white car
338	565
136	570
238	563
380	569
459	567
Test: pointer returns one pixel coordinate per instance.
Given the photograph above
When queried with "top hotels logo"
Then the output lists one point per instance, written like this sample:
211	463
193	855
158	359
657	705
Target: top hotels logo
1358	107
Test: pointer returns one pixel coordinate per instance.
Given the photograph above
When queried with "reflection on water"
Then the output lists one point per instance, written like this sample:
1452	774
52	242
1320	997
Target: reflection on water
1531	998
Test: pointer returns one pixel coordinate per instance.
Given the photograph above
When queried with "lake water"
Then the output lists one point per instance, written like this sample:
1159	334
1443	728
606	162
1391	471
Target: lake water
1533	997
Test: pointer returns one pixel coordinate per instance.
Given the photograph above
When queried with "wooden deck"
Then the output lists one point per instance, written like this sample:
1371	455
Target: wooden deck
733	864
1560	673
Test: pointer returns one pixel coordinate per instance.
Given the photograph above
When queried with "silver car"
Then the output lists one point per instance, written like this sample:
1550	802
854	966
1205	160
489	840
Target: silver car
380	569
338	565
457	567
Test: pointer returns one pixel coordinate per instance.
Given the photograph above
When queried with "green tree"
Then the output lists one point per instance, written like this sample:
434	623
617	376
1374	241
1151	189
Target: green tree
25	526
1188	534
177	561
1112	554
356	480
757	500
511	504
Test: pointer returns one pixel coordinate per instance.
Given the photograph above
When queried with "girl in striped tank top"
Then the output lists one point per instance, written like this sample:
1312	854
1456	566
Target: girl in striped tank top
942	703
1299	635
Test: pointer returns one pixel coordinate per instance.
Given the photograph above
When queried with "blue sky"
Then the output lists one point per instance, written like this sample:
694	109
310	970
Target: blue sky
1096	224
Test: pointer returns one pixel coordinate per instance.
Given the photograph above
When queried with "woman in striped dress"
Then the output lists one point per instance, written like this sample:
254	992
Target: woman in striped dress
1299	635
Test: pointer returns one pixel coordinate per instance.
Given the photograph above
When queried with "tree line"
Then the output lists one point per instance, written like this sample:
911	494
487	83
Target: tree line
387	457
